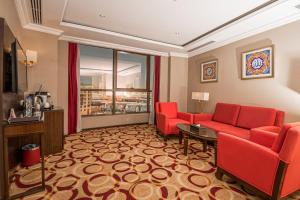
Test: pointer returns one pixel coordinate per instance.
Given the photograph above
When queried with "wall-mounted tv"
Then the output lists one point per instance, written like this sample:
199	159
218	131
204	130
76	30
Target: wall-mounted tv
15	69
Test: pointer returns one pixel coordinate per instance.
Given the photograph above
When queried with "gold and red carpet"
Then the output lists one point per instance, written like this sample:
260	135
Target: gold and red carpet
129	162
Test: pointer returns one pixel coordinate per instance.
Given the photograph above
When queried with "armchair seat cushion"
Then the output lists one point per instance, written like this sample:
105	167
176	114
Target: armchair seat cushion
226	128
172	125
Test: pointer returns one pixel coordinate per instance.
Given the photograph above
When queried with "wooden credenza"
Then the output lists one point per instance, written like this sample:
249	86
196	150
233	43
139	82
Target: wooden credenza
53	135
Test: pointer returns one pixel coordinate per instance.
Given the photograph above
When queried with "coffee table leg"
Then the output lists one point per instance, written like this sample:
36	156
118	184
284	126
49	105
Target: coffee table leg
180	137
216	153
204	145
186	144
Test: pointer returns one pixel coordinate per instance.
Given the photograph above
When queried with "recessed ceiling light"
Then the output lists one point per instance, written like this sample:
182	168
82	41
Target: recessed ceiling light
297	6
102	15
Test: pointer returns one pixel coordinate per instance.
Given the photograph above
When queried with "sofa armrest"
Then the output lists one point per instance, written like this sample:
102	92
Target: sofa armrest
185	116
251	162
274	129
263	137
202	117
161	122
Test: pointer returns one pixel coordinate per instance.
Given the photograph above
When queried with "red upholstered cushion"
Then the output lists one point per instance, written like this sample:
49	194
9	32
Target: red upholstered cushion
253	117
169	109
226	113
226	128
281	137
172	125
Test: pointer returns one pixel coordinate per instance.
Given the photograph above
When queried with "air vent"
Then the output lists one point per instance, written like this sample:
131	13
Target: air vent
202	45
36	8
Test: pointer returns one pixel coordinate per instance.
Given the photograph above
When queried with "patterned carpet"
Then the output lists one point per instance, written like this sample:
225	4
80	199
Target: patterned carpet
129	162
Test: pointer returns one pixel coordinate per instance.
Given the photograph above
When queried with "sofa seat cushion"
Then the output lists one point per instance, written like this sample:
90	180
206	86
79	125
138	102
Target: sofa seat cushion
253	117
225	128
172	125
169	109
226	113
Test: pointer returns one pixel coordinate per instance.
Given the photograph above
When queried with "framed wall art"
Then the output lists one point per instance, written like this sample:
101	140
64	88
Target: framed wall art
258	63
209	71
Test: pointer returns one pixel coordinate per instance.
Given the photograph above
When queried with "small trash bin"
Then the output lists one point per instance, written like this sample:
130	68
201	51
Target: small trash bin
30	155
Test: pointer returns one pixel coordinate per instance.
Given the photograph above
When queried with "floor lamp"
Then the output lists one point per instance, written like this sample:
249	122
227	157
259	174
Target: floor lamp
200	97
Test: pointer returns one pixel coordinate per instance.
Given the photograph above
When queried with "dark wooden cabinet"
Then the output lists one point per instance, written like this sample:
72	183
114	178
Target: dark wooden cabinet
54	131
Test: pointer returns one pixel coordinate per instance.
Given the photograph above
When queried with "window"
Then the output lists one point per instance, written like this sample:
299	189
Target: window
96	80
114	82
132	71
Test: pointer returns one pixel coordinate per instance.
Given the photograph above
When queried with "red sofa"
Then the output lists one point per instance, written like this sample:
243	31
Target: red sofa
242	121
270	170
167	117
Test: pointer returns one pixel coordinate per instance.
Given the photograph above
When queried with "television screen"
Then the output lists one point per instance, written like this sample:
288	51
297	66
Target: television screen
21	72
15	69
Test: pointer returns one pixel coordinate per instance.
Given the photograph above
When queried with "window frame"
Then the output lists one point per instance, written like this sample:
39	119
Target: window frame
114	89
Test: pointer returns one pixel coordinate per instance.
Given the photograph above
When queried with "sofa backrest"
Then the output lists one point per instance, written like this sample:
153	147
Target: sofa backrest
253	117
168	108
226	113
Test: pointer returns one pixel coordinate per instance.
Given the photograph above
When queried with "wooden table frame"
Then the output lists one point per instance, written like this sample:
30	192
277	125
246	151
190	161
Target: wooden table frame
23	130
185	136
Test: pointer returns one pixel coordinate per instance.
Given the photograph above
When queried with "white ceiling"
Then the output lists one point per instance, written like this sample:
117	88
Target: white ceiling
158	27
158	20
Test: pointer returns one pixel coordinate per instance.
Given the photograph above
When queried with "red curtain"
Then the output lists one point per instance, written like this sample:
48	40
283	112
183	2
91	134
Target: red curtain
72	86
156	80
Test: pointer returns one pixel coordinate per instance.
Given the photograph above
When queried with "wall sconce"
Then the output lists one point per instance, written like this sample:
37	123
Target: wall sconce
31	57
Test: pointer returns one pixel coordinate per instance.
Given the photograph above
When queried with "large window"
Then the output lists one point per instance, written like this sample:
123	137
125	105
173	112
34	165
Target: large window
114	82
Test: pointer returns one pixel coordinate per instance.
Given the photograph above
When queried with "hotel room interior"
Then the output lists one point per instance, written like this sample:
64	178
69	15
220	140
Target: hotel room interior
149	100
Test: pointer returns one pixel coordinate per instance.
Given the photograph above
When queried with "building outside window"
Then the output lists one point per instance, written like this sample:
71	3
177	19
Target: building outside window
114	82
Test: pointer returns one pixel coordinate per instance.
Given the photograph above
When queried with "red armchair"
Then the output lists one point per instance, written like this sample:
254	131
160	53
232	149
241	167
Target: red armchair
167	117
270	170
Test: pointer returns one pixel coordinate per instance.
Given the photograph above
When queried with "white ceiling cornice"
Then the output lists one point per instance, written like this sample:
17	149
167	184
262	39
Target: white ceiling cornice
22	12
44	29
111	45
175	54
97	30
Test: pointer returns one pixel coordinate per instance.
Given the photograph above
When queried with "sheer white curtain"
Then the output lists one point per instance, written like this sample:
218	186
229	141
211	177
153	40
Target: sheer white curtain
152	81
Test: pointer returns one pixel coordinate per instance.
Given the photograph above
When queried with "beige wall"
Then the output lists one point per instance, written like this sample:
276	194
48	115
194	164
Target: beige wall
62	78
45	72
8	11
281	92
178	82
164	76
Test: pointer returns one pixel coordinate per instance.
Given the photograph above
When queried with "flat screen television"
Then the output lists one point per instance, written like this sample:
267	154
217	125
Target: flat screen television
15	69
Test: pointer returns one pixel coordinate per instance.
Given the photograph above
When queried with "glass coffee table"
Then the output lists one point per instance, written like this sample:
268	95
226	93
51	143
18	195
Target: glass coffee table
204	134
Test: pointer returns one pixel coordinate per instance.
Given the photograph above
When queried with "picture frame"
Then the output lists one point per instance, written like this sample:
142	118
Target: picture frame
258	63
209	71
